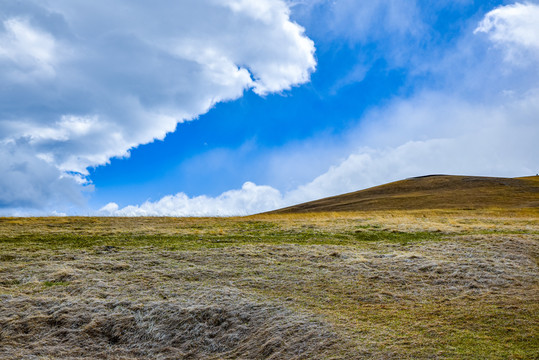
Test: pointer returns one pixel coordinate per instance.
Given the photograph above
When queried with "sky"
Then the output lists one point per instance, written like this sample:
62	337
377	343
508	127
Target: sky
233	107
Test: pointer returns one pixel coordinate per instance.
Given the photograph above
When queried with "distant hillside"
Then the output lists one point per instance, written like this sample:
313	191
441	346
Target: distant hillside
433	192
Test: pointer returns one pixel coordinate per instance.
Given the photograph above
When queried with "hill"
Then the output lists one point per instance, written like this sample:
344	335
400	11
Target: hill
432	192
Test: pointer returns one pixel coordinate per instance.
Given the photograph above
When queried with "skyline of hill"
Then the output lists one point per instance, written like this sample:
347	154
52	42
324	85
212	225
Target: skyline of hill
432	192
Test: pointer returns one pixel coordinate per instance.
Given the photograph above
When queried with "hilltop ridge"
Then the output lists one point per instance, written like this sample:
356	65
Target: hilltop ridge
432	192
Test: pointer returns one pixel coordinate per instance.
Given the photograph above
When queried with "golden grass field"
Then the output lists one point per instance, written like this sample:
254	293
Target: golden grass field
422	284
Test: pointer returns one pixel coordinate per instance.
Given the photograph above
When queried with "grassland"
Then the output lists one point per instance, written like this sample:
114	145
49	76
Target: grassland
424	284
433	192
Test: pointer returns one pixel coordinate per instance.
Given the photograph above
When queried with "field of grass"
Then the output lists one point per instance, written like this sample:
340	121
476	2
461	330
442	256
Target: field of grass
447	284
433	192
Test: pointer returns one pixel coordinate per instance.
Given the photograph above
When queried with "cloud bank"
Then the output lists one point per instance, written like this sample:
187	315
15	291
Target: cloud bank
250	199
82	82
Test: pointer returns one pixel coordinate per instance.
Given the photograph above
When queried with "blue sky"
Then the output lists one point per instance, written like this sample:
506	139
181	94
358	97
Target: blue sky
233	107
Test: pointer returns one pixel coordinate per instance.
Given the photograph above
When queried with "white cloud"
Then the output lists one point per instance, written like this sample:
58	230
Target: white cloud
29	52
83	82
447	136
30	182
514	28
249	199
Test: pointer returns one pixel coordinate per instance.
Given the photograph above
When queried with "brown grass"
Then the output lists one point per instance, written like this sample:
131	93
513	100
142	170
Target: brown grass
433	192
381	285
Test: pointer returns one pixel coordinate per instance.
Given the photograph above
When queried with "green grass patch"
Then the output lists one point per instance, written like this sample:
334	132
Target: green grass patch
55	283
270	236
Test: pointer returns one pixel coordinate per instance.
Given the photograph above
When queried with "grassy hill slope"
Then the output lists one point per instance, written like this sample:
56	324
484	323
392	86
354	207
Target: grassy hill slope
433	192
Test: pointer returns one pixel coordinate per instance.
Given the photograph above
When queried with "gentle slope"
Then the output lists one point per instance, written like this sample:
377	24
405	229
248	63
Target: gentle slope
433	192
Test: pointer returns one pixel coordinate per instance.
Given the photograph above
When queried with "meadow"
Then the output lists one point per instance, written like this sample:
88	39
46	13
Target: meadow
422	284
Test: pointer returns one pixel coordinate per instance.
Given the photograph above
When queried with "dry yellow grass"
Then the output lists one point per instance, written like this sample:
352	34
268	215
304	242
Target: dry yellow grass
433	192
366	285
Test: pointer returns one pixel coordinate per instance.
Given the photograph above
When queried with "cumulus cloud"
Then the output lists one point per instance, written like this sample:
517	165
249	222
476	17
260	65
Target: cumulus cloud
30	182
514	28
249	199
82	82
